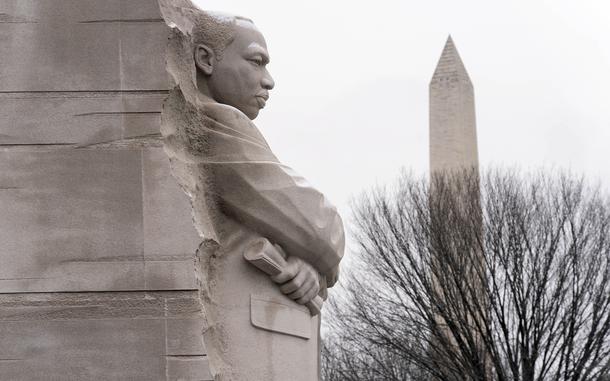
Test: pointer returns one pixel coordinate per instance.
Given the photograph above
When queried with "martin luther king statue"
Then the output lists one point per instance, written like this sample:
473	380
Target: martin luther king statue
271	242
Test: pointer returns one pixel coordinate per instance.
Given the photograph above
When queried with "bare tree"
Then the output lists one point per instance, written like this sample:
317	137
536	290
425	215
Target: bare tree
506	277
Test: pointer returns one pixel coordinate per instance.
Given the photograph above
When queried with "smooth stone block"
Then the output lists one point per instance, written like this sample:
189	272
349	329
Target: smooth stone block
169	275
58	118
140	10
93	220
168	227
101	336
78	277
72	219
68	56
82	45
142	47
82	350
78	118
181	340
170	240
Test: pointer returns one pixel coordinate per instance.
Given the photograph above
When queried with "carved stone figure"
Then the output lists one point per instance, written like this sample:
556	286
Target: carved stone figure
261	316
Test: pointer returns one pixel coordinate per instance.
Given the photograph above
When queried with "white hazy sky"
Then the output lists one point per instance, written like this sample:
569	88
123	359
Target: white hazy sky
350	107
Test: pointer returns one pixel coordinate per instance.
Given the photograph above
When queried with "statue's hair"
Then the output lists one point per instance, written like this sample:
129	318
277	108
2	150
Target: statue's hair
215	30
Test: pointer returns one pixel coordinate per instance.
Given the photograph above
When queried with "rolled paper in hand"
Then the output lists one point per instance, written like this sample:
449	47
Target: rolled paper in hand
269	259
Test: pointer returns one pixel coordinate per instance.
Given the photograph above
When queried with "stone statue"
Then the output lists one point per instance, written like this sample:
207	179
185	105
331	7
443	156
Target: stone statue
271	242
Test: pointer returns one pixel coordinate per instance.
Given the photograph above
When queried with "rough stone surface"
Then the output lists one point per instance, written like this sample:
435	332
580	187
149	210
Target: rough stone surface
98	246
453	138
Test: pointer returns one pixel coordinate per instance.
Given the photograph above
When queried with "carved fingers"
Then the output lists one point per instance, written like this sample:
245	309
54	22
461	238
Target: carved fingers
299	280
289	271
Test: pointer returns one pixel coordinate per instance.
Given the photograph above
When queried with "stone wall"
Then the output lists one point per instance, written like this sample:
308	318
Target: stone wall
97	280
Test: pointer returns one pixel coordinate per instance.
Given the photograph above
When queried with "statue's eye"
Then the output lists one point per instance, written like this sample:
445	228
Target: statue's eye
256	61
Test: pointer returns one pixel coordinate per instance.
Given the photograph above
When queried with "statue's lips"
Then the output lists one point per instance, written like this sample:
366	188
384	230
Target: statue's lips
262	100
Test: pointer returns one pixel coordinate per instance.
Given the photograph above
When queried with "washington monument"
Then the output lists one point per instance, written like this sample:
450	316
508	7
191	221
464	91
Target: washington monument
453	150
453	136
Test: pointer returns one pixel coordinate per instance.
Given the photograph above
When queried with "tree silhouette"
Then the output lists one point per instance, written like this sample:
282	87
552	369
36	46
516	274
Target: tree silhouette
503	277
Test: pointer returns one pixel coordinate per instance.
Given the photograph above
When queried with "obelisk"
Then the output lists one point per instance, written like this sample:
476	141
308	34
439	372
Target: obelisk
453	152
453	136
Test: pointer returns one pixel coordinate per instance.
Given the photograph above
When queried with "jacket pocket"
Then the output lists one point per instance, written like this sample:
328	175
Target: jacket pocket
276	315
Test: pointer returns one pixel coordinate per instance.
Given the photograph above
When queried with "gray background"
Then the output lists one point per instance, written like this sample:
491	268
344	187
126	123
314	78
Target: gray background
351	100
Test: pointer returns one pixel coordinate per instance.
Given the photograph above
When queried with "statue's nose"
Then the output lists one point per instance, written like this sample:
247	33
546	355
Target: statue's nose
267	82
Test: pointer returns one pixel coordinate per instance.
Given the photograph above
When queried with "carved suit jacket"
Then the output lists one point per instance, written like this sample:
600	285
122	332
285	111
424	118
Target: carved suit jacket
245	182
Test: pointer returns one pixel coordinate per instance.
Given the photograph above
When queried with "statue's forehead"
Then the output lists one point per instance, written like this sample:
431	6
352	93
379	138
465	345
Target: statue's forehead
246	24
250	37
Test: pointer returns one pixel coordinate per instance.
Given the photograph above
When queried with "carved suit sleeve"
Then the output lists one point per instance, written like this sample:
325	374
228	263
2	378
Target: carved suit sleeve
276	202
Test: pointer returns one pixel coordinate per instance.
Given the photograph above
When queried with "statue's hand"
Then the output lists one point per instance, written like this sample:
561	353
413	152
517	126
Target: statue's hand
299	280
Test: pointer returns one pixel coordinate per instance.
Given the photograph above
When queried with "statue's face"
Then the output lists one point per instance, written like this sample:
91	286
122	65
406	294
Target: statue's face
240	79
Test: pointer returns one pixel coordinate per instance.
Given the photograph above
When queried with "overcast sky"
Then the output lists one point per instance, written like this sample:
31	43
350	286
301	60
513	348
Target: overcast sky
350	107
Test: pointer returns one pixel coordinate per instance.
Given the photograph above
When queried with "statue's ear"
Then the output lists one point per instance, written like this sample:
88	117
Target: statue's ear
204	59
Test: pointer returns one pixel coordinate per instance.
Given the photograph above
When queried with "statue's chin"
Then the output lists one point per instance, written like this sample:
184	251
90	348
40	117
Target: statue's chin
251	114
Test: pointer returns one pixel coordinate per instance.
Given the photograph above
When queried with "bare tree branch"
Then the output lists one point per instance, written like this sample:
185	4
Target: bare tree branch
462	277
